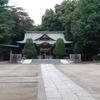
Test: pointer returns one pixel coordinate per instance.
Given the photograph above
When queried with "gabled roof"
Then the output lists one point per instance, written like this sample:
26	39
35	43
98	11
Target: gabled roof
51	34
44	37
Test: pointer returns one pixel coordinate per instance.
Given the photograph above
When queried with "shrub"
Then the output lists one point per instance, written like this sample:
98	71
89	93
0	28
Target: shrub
59	47
24	57
57	57
29	48
66	57
96	57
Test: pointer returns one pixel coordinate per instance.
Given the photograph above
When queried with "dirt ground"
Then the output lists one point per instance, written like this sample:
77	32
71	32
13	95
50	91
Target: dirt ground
18	90
18	70
86	75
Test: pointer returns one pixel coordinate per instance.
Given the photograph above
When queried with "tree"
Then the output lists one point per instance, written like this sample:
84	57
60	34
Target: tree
60	19
47	20
6	23
29	48
3	2
37	28
59	47
13	23
65	12
22	23
86	28
51	21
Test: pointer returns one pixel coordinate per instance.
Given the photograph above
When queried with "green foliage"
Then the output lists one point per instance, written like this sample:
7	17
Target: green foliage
14	21
29	48
47	20
65	12
24	57
6	25
22	23
57	57
61	19
51	21
96	57
37	28
66	57
3	2
59	47
86	27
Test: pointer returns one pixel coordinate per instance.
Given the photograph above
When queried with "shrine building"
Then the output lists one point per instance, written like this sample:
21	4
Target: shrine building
44	42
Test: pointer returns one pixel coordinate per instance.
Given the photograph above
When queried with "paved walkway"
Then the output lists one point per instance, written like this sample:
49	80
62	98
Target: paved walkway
46	61
60	87
18	79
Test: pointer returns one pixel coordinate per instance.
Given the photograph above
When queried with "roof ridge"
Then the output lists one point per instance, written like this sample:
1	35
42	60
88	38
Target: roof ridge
44	32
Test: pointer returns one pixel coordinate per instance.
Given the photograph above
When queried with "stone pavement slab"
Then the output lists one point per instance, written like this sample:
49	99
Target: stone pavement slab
27	61
65	61
18	79
60	87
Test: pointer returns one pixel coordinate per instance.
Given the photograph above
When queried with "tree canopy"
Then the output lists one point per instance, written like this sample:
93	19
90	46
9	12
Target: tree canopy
60	19
6	23
14	21
86	27
22	22
48	21
3	2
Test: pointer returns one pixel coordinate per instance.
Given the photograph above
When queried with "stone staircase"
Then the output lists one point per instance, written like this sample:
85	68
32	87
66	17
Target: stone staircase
46	61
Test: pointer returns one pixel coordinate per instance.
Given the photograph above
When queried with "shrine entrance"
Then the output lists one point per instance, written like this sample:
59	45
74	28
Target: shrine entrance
45	51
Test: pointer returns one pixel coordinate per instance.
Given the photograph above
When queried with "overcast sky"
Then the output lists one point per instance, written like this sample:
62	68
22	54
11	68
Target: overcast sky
35	8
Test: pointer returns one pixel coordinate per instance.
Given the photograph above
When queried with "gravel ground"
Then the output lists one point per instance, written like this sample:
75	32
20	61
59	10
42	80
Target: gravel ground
87	75
18	90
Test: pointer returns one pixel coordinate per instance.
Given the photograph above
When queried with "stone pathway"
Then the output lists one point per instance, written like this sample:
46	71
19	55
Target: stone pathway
60	87
18	79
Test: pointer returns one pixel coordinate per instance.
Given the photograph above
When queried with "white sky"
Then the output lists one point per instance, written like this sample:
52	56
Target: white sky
35	8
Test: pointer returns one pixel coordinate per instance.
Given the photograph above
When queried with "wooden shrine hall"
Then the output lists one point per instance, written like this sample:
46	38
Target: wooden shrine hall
44	42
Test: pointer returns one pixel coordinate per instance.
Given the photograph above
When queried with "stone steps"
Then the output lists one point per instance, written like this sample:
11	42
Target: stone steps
46	61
